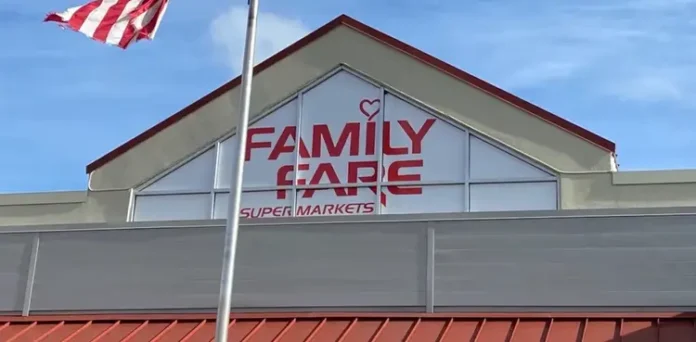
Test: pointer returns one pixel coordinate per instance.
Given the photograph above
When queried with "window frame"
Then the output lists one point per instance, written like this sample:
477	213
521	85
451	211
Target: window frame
384	89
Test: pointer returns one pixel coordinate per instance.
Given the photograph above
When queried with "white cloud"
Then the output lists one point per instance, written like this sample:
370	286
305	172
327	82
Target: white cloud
273	33
638	50
647	88
542	72
645	5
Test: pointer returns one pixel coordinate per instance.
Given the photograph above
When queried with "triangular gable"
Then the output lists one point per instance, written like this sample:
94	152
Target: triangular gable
317	153
346	21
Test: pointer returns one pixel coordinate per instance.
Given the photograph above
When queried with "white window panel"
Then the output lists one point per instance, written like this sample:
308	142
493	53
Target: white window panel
339	121
196	174
271	150
172	207
513	196
491	163
421	146
338	201
425	199
257	204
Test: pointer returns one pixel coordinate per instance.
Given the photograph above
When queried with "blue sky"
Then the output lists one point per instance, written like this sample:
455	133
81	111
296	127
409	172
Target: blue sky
623	69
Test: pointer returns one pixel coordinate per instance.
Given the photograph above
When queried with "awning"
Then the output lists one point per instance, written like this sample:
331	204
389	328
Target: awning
352	327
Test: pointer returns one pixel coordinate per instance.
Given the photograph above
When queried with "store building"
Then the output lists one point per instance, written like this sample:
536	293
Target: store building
381	180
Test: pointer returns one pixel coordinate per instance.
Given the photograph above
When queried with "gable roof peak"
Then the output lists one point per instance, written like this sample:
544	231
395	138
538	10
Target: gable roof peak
347	21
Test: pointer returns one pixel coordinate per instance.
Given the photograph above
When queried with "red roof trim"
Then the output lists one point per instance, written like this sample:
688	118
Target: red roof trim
385	39
482	85
347	315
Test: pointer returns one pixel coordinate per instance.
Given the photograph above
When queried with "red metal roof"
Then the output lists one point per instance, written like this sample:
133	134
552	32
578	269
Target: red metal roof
348	327
344	20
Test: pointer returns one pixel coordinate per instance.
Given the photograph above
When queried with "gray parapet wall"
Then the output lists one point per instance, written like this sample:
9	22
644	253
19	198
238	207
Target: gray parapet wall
586	260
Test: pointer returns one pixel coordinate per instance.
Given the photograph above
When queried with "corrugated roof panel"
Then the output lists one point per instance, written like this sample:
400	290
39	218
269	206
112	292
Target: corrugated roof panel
355	328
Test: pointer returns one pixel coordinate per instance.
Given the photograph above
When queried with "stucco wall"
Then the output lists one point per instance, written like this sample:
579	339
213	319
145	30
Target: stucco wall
64	207
645	189
482	112
586	180
636	189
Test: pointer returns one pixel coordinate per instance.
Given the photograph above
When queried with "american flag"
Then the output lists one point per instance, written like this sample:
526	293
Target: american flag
114	22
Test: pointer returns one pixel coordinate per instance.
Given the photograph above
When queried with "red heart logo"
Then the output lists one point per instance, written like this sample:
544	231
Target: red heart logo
369	108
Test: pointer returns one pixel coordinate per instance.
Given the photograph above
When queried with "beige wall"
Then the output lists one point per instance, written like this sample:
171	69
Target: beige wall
480	111
578	191
633	189
64	207
585	169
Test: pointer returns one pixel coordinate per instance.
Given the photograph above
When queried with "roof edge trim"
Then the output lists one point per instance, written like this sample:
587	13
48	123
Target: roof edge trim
339	315
176	117
387	40
483	85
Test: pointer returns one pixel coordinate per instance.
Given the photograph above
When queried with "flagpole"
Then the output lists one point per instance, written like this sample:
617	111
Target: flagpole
235	197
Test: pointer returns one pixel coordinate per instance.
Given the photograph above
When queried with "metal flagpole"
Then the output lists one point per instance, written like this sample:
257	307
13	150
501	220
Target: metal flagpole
235	197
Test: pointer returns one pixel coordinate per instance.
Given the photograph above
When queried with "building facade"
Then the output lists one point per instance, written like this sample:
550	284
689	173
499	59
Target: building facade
393	197
446	142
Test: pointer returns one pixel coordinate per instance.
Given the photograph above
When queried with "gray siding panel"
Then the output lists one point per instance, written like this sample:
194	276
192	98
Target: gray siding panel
560	263
15	251
128	269
627	261
277	266
332	265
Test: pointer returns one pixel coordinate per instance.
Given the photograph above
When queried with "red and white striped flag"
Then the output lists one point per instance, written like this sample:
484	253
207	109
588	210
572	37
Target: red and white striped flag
114	22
